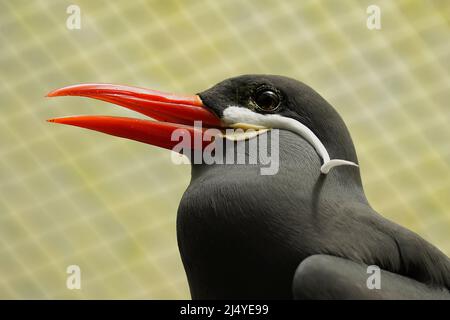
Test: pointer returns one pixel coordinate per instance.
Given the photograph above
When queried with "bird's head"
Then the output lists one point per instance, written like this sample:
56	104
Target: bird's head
258	102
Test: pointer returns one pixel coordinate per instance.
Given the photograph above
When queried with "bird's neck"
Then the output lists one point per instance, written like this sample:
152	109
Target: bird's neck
287	159
239	232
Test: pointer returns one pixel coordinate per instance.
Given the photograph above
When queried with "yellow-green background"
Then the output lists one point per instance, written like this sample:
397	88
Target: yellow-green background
69	196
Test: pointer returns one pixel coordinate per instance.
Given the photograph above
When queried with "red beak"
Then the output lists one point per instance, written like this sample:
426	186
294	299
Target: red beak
172	112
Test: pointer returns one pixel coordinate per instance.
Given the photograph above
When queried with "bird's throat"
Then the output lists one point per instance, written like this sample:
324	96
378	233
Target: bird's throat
233	223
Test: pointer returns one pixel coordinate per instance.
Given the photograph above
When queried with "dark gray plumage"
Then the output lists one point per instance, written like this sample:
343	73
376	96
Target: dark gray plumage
244	235
329	277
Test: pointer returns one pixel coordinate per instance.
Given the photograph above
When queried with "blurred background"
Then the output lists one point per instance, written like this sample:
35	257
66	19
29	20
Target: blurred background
70	196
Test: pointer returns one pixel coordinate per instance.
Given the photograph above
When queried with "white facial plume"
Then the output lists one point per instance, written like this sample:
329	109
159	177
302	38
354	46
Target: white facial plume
238	116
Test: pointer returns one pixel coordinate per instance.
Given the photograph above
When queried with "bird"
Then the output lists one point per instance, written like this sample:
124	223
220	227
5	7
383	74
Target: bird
306	231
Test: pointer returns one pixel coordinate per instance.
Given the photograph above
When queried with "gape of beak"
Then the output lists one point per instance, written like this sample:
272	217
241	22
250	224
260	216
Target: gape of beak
171	111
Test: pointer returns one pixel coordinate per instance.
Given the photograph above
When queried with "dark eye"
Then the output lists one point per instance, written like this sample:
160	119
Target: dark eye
267	100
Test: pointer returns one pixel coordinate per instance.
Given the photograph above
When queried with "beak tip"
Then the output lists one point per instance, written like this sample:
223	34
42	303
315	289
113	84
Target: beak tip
54	93
55	120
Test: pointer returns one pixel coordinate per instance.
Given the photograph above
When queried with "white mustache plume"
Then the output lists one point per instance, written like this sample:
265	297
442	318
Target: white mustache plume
233	115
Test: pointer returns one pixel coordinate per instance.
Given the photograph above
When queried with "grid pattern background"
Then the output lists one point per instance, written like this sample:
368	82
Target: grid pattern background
70	196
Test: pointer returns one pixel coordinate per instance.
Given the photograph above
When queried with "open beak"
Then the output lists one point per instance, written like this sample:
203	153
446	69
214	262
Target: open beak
171	111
